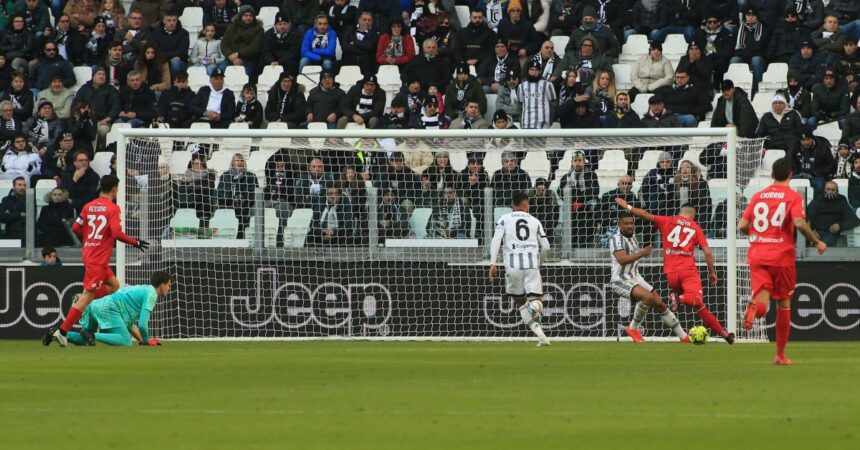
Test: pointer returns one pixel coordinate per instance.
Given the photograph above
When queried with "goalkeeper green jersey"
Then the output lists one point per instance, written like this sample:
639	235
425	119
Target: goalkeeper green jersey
132	301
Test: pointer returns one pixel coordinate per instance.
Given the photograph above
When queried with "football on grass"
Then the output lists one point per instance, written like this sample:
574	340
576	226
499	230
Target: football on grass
699	335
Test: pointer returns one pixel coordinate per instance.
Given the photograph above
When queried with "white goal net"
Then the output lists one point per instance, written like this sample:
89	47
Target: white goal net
385	234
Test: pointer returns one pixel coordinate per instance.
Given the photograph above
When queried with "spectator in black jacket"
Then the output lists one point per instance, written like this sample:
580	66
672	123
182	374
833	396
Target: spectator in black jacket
82	183
173	105
52	231
49	65
472	184
249	110
830	99
83	127
383	11
511	177
735	110
809	64
236	190
475	40
194	189
358	44
278	192
810	15
428	67
584	191
392	218
215	93
286	103
831	215
17	43
13	211
219	13
282	45
333	222
752	44
59	157
786	39
698	66
104	101
685	99
398	176
21	97
543	205
364	104
606	209
854	185
622	116
813	160
172	41
324	101
851	127
137	102
800	98
691	187
682	16
716	42
647	16
781	125
518	32
658	192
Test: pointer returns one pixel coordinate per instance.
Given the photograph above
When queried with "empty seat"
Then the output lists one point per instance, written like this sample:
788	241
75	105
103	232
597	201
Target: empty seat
640	105
101	163
224	224
268	78
623	80
418	222
43	189
762	103
636	46
774	78
560	42
349	76
270	228
462	15
220	161
179	162
197	77
82	75
298	226
234	78
192	21
267	16
829	131
536	164
389	77
770	157
319	126
675	46
491	107
740	74
185	223
612	162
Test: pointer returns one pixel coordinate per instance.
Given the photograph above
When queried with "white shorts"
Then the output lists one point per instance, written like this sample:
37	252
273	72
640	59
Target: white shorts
624	288
525	282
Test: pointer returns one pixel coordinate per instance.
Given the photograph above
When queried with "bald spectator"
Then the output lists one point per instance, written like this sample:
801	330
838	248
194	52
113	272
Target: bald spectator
310	186
831	215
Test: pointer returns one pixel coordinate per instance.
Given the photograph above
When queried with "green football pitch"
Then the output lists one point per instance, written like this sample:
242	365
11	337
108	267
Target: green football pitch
427	395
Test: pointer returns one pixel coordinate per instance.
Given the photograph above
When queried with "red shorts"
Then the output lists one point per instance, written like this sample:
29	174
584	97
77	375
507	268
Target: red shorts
779	281
94	277
684	281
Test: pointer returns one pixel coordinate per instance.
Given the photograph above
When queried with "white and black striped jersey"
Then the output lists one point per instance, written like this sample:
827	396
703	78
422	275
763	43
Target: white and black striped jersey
629	245
524	239
534	98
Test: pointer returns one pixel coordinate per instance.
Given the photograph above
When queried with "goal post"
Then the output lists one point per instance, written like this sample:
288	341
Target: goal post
264	269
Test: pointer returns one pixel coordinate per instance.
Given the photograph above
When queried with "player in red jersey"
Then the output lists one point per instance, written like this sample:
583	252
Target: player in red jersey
681	235
770	220
98	226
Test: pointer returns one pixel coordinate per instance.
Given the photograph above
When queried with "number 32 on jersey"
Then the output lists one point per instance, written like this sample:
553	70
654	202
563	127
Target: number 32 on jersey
97	225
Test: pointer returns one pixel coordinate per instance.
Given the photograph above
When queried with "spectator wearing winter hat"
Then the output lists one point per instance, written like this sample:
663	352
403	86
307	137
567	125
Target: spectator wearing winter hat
243	41
518	31
591	26
587	61
501	121
751	45
651	72
716	43
464	88
700	68
59	95
843	162
735	110
43	128
397	118
97	43
103	100
285	102
510	178
658	191
809	64
364	104
282	45
830	99
319	44
505	98
173	104
786	38
584	188
214	103
324	101
800	98
537	99
781	125
493	71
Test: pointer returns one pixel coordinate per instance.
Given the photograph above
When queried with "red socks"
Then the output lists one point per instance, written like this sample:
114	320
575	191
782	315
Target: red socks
72	318
783	329
710	321
100	292
760	309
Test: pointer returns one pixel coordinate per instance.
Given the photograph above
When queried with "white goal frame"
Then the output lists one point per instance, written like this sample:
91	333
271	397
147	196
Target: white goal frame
727	134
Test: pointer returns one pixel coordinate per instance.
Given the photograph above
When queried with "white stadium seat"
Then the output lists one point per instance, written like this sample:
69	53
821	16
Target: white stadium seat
640	105
235	78
192	21
560	42
197	77
179	162
635	47
101	163
829	131
82	75
224	224
770	157
185	218
740	74
298	226
270	228
675	46
267	16
418	222
462	15
623	79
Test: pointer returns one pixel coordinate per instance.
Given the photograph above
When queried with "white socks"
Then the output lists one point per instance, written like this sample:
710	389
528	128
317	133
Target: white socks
670	320
639	315
533	325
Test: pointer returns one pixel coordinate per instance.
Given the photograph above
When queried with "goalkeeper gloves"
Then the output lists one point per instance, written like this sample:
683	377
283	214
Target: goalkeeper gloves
152	342
141	245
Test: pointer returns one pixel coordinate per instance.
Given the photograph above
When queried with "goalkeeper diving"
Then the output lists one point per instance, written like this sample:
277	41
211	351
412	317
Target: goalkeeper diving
116	318
526	247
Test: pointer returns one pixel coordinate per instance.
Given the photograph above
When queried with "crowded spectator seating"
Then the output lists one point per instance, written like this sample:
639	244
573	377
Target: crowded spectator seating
762	87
